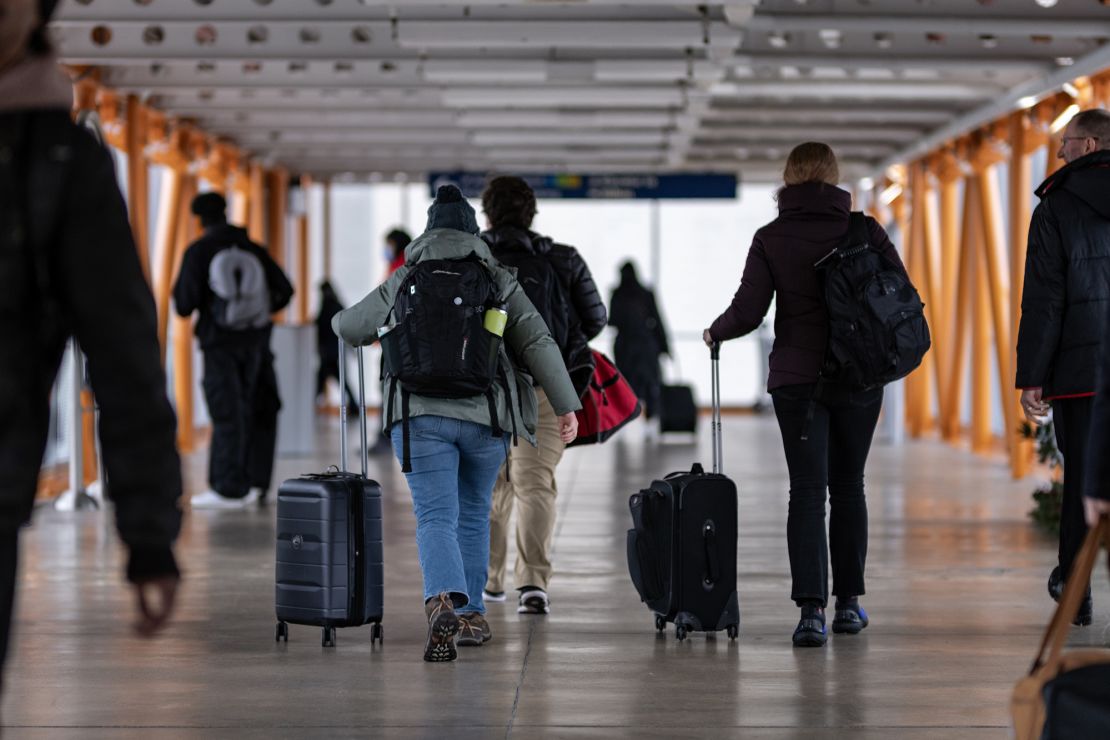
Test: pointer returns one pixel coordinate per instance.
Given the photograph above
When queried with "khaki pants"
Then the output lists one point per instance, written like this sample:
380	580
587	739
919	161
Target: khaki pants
532	487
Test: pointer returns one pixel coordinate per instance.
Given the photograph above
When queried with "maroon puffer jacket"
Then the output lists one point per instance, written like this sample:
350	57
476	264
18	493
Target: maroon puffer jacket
813	220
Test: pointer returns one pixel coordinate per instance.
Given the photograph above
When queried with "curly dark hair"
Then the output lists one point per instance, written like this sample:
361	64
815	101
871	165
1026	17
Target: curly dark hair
509	201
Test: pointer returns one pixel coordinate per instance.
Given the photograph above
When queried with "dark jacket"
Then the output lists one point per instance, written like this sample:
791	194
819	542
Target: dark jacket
641	337
586	310
1096	479
68	266
1067	280
813	220
192	292
327	345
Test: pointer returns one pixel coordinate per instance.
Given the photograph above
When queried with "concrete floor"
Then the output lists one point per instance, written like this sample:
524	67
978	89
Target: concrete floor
956	594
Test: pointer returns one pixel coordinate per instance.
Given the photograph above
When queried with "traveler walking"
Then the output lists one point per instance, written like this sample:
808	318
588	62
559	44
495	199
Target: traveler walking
68	266
396	241
1063	315
326	347
447	428
826	427
641	338
558	282
235	286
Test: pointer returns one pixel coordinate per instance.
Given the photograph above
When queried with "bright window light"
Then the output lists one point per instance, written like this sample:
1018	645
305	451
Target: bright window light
1063	119
1070	89
1047	3
891	194
866	183
1027	102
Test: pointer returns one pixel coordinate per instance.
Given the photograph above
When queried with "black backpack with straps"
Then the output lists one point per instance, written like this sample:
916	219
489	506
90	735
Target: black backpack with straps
439	346
541	284
877	327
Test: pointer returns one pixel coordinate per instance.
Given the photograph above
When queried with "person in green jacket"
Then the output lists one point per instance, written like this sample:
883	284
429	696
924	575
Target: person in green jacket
454	457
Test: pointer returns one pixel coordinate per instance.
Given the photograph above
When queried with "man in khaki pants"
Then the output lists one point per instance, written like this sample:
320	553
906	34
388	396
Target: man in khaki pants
559	284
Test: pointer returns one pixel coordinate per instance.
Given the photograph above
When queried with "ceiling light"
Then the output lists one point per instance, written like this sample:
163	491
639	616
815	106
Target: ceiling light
1071	90
989	41
830	37
1063	119
1027	102
891	194
778	39
1047	3
883	40
1065	61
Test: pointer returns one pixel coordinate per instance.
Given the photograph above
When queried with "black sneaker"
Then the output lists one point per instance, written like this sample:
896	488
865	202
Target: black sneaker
810	631
1086	607
850	618
533	600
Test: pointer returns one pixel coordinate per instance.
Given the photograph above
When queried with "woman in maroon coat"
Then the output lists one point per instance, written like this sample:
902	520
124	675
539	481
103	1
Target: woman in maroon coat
813	220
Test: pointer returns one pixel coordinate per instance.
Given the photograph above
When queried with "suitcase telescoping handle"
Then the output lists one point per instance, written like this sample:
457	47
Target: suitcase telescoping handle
715	364
343	409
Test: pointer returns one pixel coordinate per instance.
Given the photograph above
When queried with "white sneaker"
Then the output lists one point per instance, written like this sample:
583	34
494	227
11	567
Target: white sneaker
534	601
498	596
212	500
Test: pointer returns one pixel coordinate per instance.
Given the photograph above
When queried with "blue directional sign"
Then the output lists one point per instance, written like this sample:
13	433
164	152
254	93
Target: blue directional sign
612	187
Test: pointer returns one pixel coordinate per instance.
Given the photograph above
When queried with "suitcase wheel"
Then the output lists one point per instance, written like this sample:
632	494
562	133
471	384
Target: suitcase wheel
660	623
282	632
328	638
733	631
680	632
377	633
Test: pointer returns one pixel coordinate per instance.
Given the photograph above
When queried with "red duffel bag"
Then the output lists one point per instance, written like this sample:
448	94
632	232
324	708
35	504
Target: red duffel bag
608	404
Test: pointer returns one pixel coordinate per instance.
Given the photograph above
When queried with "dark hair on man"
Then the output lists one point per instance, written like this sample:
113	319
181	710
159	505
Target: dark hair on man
399	238
211	208
39	43
1094	123
509	201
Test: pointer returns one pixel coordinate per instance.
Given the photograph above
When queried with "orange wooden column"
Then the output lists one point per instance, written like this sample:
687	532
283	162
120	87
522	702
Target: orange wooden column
138	182
277	198
187	231
961	319
303	279
327	229
981	435
256	204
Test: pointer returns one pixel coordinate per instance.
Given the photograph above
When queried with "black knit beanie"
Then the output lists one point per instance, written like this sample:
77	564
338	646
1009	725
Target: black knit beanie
451	211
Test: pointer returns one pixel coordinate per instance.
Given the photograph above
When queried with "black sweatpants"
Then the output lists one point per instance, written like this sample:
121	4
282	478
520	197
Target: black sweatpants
243	401
832	458
1071	419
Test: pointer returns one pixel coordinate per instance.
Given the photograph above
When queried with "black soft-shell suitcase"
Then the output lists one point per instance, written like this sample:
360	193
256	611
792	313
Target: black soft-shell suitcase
329	542
682	546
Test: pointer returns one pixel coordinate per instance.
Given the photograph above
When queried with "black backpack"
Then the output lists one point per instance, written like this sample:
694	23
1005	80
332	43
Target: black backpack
439	346
541	284
877	328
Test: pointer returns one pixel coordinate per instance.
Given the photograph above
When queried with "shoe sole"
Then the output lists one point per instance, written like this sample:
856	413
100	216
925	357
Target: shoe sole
490	597
810	641
440	647
472	641
534	606
850	627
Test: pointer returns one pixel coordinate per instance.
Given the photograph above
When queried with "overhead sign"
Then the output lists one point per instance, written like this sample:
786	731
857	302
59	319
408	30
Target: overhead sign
631	186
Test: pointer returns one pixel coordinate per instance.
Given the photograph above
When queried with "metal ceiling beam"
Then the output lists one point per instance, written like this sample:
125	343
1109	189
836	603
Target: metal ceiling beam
990	22
895	62
945	92
793	114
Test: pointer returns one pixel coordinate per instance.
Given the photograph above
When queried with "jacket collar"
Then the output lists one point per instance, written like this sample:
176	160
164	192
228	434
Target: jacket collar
504	236
1094	159
814	198
34	84
446	244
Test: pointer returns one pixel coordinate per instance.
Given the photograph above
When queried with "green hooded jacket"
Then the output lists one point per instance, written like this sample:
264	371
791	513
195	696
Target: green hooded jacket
525	332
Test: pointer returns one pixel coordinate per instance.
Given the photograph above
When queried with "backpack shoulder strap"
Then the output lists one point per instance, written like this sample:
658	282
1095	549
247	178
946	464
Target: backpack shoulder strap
857	230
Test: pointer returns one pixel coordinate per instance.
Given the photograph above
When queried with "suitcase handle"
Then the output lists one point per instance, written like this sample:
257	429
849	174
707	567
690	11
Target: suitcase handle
715	365
712	567
343	409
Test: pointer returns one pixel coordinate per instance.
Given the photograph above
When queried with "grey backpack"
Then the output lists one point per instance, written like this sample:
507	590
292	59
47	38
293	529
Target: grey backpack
241	295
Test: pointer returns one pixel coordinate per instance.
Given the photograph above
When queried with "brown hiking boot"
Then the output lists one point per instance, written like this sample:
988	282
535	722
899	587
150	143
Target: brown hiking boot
443	623
473	630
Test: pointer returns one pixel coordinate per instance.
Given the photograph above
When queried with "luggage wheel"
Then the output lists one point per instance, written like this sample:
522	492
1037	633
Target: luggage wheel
733	631
377	633
282	632
680	632
328	637
660	623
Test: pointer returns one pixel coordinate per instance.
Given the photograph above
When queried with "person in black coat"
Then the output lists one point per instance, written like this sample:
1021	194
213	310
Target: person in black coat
1063	314
69	267
326	345
641	338
235	285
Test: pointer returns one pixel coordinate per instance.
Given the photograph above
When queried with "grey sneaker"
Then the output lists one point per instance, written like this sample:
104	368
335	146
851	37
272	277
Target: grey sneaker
474	630
443	623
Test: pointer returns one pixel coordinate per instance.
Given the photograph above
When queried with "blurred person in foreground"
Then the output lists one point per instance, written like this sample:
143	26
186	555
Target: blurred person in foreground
69	266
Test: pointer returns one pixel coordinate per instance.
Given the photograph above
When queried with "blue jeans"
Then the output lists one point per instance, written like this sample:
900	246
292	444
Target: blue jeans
454	466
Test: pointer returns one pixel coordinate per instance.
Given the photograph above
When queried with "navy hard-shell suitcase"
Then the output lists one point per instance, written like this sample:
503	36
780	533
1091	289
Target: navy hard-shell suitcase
682	546
329	543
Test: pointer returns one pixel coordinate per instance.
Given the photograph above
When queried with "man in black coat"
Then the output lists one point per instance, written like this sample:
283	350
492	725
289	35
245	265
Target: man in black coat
69	267
559	283
1063	307
235	285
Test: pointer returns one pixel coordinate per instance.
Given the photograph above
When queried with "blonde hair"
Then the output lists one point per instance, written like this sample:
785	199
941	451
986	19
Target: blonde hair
811	162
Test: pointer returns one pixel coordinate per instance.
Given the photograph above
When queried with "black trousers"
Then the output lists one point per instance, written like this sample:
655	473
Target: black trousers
243	401
329	368
1072	422
832	458
9	555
